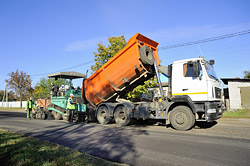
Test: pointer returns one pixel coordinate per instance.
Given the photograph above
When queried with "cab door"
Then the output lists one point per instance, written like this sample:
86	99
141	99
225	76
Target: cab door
194	83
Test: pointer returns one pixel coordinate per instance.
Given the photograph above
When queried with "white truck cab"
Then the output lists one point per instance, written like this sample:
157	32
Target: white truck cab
195	80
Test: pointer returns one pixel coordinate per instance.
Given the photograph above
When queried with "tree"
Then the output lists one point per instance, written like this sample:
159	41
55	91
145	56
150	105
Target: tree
142	89
11	95
20	82
135	95
42	88
105	53
246	74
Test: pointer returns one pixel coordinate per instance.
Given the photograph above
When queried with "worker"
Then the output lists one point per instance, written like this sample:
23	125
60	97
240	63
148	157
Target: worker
52	89
71	107
29	107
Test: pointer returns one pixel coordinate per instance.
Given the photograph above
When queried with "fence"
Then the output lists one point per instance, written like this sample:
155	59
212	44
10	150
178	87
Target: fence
13	104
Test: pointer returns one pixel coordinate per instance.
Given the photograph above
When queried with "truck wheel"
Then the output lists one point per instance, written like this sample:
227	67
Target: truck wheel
65	117
57	116
103	116
121	115
146	55
43	116
182	118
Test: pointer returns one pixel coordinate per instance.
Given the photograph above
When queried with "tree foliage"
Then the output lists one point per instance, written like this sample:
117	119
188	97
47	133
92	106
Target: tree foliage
246	74
135	95
42	88
104	53
11	95
20	82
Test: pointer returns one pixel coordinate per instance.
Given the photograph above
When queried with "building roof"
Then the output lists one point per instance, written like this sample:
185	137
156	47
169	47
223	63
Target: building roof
226	80
67	75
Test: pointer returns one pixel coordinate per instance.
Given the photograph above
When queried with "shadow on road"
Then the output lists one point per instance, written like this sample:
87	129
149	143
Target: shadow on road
150	122
204	125
113	143
198	124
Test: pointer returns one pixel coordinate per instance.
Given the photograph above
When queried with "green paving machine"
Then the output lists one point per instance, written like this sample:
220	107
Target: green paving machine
57	108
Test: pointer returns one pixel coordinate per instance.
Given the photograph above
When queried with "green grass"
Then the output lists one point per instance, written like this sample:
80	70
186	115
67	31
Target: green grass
243	113
19	150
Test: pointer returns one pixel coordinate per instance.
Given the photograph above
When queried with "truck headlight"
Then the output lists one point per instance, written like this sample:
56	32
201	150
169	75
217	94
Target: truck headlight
210	111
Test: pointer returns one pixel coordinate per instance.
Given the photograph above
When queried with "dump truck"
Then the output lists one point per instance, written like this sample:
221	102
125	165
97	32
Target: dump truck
194	91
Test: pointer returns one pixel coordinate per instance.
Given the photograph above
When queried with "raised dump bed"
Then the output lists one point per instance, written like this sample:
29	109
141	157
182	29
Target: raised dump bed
128	68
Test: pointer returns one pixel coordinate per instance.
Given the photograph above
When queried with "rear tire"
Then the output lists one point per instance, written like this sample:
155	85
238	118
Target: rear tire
182	118
121	115
103	115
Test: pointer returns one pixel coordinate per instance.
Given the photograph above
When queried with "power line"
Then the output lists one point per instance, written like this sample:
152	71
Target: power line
227	48
166	47
205	40
63	69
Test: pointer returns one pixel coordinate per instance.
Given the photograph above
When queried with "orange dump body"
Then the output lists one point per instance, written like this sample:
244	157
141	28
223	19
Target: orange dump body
121	73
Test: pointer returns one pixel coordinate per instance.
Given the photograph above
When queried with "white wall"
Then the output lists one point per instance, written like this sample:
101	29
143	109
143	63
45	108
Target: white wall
13	104
234	93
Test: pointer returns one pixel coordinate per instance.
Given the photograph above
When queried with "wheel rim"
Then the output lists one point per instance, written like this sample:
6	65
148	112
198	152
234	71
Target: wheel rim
181	118
122	115
149	56
65	117
103	114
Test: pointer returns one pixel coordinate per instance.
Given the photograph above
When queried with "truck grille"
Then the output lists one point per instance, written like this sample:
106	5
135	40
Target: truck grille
217	92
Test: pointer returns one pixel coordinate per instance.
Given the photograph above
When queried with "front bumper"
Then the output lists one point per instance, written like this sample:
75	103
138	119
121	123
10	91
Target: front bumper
213	110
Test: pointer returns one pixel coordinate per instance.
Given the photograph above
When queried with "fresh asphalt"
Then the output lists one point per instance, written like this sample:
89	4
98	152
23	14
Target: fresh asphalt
222	143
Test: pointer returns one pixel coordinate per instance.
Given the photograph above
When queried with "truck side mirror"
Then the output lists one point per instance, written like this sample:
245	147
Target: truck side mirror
211	62
196	66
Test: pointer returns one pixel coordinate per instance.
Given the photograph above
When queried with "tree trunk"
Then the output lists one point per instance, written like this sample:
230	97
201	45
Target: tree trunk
21	103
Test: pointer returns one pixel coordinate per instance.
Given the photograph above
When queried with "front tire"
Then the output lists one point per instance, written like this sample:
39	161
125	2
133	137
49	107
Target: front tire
182	118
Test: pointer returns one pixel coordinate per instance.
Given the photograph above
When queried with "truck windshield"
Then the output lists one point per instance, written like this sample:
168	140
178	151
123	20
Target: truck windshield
210	71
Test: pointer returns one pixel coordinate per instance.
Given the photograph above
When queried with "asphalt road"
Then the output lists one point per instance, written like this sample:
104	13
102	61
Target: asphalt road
225	143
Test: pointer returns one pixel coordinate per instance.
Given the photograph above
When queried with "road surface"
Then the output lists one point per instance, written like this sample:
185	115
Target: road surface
224	143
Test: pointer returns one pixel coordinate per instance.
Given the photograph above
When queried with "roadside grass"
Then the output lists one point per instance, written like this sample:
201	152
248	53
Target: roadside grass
19	150
242	113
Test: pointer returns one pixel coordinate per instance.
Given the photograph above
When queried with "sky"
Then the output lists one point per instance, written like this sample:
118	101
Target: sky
47	36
